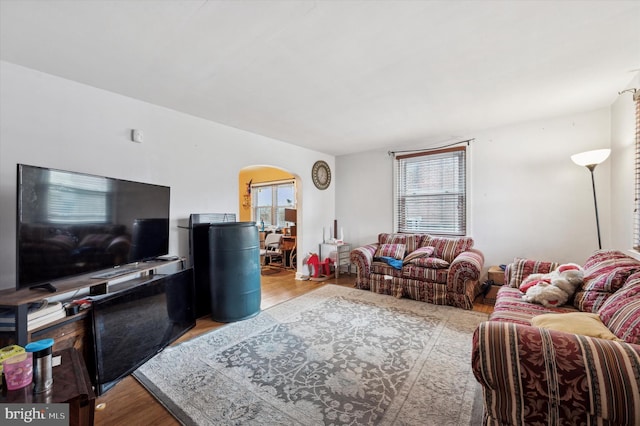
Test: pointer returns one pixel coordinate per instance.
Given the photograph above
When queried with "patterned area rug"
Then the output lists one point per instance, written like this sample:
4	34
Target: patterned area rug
335	356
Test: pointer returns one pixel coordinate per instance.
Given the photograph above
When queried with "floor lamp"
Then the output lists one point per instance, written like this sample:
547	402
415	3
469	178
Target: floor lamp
590	159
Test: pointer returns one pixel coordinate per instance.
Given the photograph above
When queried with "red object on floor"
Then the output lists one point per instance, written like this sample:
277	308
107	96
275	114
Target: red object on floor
323	267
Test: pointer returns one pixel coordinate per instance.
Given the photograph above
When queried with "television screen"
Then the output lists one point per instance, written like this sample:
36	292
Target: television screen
73	223
132	325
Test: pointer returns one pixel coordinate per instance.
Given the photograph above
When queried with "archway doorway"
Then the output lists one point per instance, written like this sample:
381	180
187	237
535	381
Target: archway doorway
269	196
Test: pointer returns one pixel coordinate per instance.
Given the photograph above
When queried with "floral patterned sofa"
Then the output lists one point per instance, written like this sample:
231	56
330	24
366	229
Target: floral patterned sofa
439	270
539	375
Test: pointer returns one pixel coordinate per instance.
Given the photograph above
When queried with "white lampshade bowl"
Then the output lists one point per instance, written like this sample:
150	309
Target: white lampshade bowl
591	158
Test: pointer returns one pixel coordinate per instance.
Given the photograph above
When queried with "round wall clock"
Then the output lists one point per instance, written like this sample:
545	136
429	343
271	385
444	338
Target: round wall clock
321	174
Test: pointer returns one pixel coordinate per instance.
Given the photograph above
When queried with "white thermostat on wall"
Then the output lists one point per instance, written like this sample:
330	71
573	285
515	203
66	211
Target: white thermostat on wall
136	135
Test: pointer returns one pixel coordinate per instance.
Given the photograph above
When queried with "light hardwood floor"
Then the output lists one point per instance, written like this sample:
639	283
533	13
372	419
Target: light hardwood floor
129	403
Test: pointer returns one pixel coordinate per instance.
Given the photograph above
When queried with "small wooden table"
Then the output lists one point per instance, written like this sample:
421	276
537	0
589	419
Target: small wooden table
496	274
71	385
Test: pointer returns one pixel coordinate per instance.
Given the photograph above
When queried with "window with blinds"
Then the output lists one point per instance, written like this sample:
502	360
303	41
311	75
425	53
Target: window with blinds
430	192
636	213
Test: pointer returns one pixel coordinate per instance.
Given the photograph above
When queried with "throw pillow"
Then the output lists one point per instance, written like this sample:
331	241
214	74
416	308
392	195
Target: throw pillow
610	275
385	238
430	262
522	268
621	312
411	241
448	248
395	251
583	323
603	256
605	273
421	252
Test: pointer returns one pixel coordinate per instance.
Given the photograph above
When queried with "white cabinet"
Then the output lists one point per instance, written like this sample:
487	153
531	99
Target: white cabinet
339	253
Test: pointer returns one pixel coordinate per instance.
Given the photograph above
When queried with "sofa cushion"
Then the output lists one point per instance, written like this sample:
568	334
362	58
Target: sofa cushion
510	307
621	312
623	318
605	273
583	323
447	248
418	253
430	262
603	255
411	241
383	268
420	273
609	275
590	301
395	251
522	268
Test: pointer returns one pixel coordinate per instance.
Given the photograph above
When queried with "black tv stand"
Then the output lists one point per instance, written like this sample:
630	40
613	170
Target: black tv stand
18	301
48	287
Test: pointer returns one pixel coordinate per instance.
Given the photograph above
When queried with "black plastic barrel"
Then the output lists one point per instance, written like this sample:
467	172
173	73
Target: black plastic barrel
234	258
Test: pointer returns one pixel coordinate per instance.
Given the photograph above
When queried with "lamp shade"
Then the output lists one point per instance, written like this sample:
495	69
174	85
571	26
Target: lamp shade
591	158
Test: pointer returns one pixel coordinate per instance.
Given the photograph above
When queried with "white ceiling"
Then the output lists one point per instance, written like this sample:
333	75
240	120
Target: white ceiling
338	76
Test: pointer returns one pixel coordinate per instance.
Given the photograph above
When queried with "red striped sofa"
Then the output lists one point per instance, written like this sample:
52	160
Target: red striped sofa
539	376
438	270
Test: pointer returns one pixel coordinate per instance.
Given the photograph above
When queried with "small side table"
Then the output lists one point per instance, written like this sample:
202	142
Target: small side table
71	385
496	274
343	252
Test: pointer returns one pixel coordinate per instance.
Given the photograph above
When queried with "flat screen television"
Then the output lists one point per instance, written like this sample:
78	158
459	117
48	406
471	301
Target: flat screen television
132	325
72	223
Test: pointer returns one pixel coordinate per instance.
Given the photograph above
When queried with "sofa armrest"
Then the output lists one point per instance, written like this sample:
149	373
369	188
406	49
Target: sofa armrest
362	257
537	376
466	266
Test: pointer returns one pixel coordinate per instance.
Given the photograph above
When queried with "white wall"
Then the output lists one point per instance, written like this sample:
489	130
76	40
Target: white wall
52	122
364	206
622	168
527	198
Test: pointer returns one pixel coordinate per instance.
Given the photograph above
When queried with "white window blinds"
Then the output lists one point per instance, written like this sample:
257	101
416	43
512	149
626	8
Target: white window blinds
430	193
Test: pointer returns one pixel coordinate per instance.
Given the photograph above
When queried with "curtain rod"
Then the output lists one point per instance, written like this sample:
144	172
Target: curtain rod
390	153
636	93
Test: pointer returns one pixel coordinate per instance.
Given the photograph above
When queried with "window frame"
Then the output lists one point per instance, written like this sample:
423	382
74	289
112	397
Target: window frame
461	224
277	210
